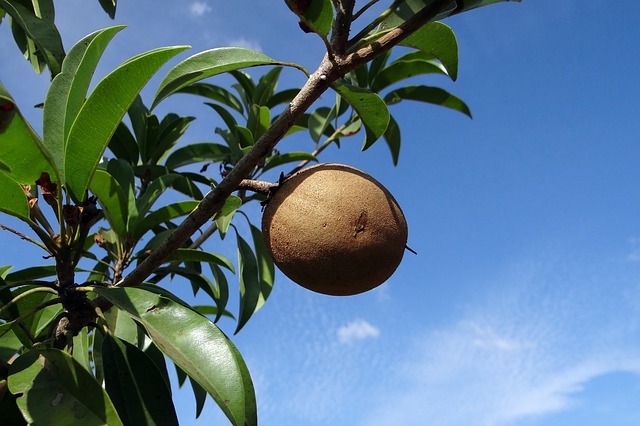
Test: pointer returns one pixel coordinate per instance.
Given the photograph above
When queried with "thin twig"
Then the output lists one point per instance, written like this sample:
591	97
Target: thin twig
259	186
24	237
364	9
373	24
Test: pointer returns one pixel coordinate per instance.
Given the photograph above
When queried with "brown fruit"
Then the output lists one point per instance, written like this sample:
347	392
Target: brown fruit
335	230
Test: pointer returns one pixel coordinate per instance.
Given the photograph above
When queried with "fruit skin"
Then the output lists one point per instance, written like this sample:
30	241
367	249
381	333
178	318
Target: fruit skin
335	230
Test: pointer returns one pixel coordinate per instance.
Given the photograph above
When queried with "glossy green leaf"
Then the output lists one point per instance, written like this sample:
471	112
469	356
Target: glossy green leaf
211	310
289	157
109	6
393	138
171	129
266	268
196	345
6	327
215	93
55	390
13	199
435	39
112	199
371	109
121	325
123	145
68	92
225	215
196	153
249	282
81	349
283	97
316	15
259	121
439	41
163	214
10	412
407	66
207	64
473	4
135	385
266	86
22	156
100	115
223	289
319	123
432	95
156	188
197	280
196	255
31	273
42	33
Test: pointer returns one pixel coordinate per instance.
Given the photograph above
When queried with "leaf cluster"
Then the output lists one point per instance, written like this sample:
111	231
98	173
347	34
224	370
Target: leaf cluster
114	194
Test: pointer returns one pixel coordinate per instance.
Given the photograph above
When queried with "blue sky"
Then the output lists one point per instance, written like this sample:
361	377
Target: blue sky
523	305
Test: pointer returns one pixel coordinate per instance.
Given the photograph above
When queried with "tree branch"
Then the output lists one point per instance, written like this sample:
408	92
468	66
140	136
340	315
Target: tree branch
318	82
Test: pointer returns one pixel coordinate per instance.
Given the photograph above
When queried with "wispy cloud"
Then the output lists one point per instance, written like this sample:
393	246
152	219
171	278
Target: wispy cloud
357	330
529	349
199	8
243	42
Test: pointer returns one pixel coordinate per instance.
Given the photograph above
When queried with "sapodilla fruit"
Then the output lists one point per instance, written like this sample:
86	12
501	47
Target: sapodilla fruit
335	230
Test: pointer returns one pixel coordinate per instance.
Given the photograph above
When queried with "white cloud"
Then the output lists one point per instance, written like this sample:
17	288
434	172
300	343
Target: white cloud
527	350
243	42
357	330
199	8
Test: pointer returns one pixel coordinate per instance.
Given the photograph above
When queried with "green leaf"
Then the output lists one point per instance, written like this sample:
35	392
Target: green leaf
249	281
196	255
32	273
42	32
473	4
393	138
135	385
407	66
121	325
320	123
56	390
124	146
100	115
207	64
112	199
371	109
10	412
289	157
225	215
109	6
68	92
266	268
172	128
266	87
317	15
223	290
22	156
438	41
81	349
215	93
259	121
196	153
156	188
283	97
163	214
13	199
432	95
196	345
